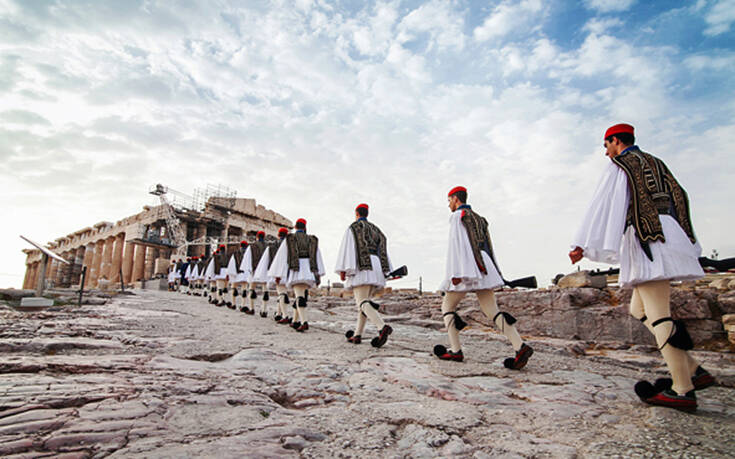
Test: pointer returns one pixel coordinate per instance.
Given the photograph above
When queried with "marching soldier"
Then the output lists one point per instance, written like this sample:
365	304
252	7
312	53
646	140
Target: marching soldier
220	274
639	216
237	277
192	275
471	267
172	277
209	280
261	277
363	263
249	263
282	316
299	264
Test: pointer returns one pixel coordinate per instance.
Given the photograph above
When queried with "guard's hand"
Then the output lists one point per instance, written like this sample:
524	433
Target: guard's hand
456	280
342	275
318	279
576	254
278	280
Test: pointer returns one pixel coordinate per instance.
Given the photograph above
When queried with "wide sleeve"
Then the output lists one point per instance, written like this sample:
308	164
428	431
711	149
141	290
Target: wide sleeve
601	233
279	267
246	265
261	271
346	257
320	262
460	258
210	268
232	266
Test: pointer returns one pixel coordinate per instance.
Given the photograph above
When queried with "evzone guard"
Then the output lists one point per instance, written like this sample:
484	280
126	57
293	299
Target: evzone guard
363	263
209	277
261	277
191	278
172	271
639	216
238	279
202	279
299	264
471	267
283	315
183	267
250	262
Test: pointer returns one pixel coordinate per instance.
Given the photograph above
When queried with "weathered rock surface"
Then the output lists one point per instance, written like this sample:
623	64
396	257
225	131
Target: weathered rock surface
589	314
162	374
582	279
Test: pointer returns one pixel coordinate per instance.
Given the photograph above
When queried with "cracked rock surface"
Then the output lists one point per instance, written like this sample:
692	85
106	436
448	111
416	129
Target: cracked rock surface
161	374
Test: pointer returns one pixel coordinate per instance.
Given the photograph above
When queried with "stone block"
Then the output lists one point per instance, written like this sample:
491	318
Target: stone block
728	319
726	301
12	294
582	279
33	303
720	284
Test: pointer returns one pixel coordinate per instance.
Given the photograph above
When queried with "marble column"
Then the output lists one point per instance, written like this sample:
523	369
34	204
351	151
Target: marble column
139	263
93	273
34	277
127	263
150	262
88	262
52	276
117	256
66	269
76	269
106	263
201	232
28	279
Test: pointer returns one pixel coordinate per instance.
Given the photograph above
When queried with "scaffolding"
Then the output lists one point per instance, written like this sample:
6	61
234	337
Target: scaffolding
172	201
202	195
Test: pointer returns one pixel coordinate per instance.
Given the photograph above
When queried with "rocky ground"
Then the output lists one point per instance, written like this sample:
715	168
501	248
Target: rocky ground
161	374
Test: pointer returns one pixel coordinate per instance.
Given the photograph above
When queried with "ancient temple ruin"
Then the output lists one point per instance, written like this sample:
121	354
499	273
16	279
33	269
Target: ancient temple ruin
141	247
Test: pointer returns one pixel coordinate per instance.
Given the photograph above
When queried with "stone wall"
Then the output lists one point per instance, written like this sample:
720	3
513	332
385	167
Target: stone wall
589	314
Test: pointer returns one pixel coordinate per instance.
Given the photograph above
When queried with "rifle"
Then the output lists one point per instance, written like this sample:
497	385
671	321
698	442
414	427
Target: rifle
609	272
527	282
719	265
397	273
704	262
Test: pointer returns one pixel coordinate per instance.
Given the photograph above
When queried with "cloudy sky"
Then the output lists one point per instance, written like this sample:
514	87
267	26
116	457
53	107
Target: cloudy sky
311	107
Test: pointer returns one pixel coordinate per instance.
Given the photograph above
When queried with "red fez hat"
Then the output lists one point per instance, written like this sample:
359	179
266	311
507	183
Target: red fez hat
301	220
243	242
362	206
260	233
457	189
619	129
283	231
221	246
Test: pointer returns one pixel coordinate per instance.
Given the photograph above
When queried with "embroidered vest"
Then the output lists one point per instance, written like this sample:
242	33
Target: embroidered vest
477	230
272	249
369	240
653	191
238	260
256	251
302	245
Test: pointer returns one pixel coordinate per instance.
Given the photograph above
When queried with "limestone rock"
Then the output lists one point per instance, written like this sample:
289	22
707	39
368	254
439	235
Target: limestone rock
12	294
582	279
721	283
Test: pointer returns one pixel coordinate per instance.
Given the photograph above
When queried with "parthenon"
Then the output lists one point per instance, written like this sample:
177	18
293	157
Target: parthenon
139	248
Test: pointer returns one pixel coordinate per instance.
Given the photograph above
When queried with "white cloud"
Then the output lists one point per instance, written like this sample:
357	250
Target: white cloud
720	17
509	17
313	108
608	6
437	18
